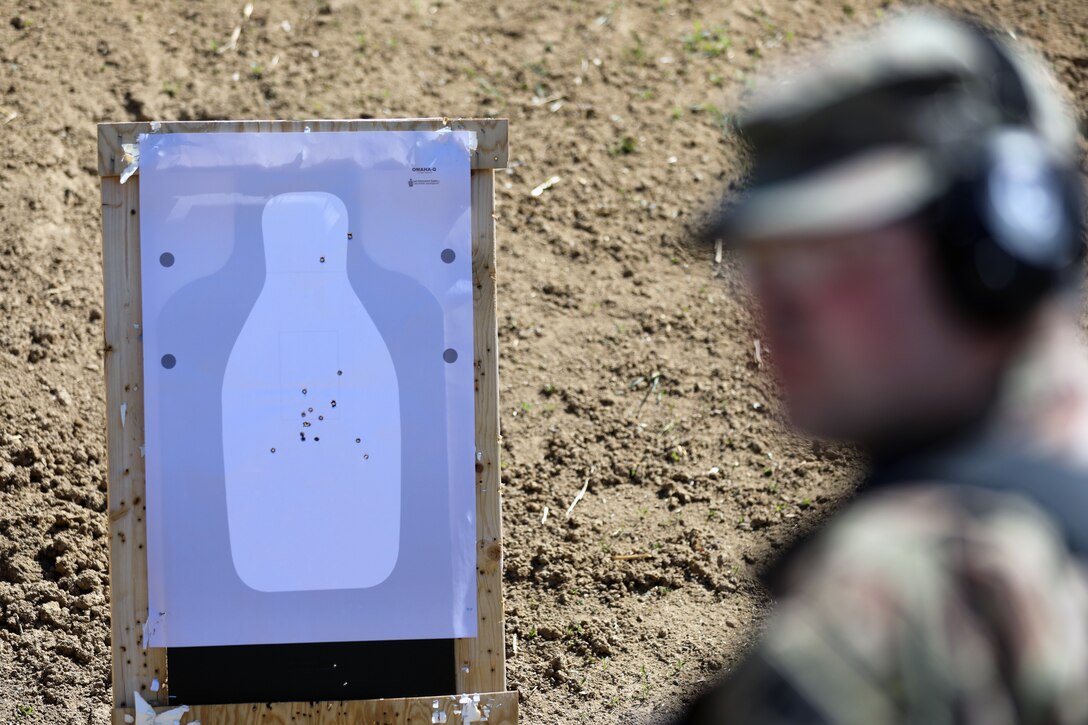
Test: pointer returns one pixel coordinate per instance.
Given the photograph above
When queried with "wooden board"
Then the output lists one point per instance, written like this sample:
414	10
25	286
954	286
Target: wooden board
481	661
501	708
134	668
491	134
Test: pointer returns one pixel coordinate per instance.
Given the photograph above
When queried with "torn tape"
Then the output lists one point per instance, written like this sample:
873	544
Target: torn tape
131	158
152	625
131	151
470	709
145	714
468	139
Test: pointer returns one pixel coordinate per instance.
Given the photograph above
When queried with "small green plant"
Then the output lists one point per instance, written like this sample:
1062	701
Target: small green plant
361	43
170	89
635	54
710	41
489	89
624	146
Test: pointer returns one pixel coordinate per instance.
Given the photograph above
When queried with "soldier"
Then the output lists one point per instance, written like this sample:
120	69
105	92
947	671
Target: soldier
912	233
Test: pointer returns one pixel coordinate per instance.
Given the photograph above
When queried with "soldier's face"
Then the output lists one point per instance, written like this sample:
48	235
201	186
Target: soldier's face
859	334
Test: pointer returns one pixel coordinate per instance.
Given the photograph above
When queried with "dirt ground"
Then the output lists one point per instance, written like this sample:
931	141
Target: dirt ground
628	360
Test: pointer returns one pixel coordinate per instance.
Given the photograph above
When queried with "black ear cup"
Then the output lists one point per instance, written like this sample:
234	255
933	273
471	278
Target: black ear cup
1008	229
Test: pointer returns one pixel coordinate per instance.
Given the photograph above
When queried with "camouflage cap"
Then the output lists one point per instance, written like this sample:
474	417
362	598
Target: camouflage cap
875	131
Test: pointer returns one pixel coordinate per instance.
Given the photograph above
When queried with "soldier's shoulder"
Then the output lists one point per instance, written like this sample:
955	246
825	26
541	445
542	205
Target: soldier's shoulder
939	532
936	512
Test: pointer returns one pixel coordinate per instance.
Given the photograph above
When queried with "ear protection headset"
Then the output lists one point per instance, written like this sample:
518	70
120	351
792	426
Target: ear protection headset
1008	229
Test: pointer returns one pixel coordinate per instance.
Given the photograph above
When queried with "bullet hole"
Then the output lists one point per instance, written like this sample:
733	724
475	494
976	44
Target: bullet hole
334	403
450	355
316	439
304	391
322	260
166	259
448	255
169	361
349	235
321	417
304	414
302	436
358	440
309	410
339	372
273	450
305	424
366	456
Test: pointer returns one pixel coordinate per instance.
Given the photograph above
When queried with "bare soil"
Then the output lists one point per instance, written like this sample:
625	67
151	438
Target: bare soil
628	359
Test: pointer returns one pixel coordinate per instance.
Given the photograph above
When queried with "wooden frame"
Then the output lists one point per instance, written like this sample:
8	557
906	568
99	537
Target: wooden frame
481	661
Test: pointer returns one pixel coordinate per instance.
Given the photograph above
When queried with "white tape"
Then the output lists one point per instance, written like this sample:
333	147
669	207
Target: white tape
131	159
145	714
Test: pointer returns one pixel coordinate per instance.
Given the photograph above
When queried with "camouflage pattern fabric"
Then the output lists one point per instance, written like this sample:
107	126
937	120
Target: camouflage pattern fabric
917	609
936	603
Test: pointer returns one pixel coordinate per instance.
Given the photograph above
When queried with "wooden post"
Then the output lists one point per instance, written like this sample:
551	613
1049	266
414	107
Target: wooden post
481	661
134	668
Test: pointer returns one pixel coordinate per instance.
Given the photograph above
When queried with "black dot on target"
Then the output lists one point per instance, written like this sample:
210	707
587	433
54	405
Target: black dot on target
322	260
273	450
448	255
166	259
450	355
169	361
339	372
358	440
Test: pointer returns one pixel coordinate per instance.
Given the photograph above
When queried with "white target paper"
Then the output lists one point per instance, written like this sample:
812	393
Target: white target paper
309	392
307	333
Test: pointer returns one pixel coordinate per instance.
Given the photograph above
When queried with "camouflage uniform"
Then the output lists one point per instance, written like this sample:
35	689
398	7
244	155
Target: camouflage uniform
932	600
936	603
